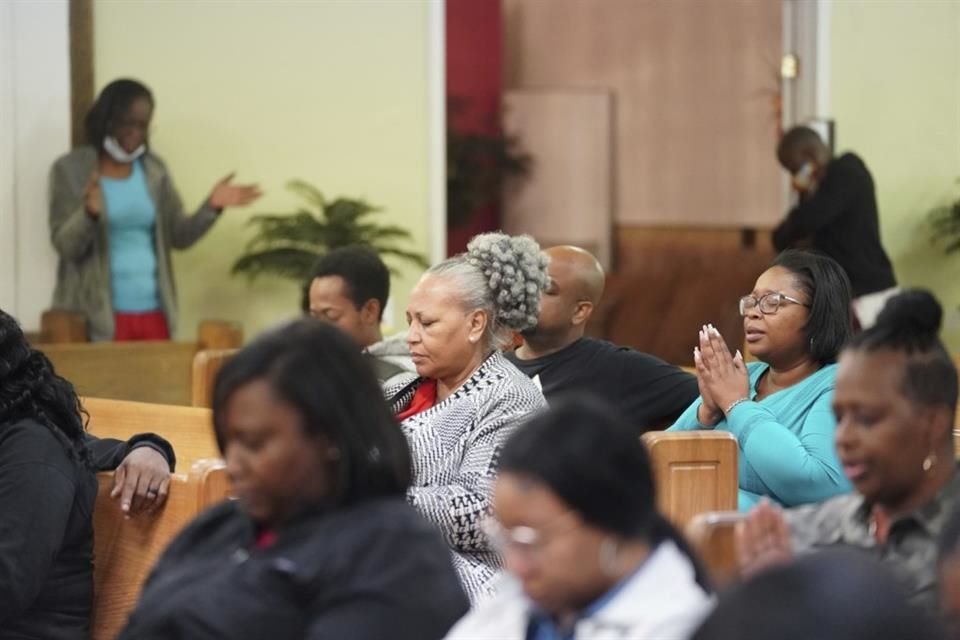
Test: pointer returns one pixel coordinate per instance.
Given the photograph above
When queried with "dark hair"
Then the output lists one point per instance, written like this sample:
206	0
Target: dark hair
831	595
592	459
318	370
799	138
827	286
362	270
114	101
909	323
31	390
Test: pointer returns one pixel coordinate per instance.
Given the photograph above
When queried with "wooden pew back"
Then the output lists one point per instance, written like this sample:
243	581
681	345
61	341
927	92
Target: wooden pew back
188	429
154	371
125	551
158	371
695	471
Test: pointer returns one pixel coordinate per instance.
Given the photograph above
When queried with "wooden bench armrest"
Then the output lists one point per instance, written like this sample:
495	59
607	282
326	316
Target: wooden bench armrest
712	535
695	471
206	365
219	334
58	326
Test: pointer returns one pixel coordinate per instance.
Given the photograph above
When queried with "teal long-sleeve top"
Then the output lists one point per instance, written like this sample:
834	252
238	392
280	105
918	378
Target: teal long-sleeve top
786	441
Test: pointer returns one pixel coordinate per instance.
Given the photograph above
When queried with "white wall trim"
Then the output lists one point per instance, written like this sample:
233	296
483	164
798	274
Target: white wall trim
437	124
824	34
8	194
34	131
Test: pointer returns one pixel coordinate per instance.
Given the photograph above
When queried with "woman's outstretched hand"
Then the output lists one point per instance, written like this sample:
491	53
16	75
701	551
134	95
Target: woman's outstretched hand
225	194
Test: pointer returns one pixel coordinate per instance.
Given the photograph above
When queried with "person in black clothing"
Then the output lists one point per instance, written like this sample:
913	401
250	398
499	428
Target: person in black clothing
47	493
650	392
321	542
349	286
836	215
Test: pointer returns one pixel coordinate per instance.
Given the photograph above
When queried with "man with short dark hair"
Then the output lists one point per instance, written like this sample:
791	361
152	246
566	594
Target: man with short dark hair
349	287
648	391
836	215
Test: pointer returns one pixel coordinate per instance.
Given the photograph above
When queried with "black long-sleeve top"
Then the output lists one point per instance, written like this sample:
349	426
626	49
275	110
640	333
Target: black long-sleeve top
369	571
840	219
47	496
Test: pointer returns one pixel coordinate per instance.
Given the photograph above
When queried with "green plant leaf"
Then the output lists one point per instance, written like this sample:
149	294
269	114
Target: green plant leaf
287	245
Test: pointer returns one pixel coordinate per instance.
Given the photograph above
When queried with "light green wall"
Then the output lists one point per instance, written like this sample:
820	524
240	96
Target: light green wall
333	92
895	95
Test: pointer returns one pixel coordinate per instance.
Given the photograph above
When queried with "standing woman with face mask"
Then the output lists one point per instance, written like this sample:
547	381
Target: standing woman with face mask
114	217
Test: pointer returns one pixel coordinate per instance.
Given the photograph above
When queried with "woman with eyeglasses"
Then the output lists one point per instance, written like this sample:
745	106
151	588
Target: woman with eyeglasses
588	556
114	217
796	320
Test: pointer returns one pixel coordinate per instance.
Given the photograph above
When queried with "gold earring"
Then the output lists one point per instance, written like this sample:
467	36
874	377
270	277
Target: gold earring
929	461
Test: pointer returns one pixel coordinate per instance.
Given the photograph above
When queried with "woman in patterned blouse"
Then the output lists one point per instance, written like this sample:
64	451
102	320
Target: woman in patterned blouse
467	398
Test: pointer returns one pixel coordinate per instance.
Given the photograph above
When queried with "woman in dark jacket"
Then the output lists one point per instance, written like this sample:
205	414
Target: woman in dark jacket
321	542
47	494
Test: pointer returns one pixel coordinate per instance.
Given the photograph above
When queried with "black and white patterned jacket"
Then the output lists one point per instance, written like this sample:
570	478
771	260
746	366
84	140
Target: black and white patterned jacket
455	446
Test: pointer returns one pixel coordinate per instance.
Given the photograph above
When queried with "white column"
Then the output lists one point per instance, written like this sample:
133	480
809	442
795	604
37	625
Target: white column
437	83
34	130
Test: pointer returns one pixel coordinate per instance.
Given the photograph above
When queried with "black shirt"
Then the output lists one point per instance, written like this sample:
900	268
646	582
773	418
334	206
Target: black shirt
364	572
46	535
840	219
47	497
649	392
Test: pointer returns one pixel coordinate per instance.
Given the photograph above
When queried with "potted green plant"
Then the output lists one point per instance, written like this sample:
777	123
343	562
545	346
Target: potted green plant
945	225
288	244
478	166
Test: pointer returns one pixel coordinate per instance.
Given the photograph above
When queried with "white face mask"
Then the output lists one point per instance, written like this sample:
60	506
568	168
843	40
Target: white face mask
111	146
803	179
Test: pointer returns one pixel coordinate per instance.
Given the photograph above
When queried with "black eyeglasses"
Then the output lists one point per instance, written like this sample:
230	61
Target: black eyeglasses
768	303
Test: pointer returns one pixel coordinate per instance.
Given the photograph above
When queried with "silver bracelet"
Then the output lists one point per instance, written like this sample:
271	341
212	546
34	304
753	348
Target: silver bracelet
735	403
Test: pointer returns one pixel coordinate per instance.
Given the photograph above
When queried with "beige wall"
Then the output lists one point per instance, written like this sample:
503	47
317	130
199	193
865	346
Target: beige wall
896	98
693	84
332	92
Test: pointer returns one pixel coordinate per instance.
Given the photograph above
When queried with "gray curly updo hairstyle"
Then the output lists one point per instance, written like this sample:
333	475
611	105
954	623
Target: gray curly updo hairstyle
503	275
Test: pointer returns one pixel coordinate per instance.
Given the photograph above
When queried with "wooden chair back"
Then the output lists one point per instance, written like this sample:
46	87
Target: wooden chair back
695	471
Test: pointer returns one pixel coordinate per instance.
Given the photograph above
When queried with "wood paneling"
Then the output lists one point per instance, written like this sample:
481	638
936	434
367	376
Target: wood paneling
81	66
695	85
568	199
670	282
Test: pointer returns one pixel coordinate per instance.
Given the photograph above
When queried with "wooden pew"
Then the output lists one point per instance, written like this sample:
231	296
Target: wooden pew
712	535
125	550
695	471
188	429
153	371
206	366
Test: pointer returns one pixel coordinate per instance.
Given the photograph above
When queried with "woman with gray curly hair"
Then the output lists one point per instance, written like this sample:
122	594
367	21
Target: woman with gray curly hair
468	398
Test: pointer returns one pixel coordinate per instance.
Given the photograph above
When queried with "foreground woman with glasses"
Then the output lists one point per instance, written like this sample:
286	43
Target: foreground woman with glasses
796	321
588	555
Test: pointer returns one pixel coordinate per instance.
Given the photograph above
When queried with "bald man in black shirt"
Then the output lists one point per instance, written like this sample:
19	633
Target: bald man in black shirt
556	354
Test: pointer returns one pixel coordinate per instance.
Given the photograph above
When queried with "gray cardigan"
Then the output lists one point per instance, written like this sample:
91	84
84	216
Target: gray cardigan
83	243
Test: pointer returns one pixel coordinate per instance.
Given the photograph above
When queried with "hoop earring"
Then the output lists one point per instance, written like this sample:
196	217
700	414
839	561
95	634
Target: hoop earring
929	461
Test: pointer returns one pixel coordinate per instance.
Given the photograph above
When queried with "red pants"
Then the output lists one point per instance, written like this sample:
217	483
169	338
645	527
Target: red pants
151	325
